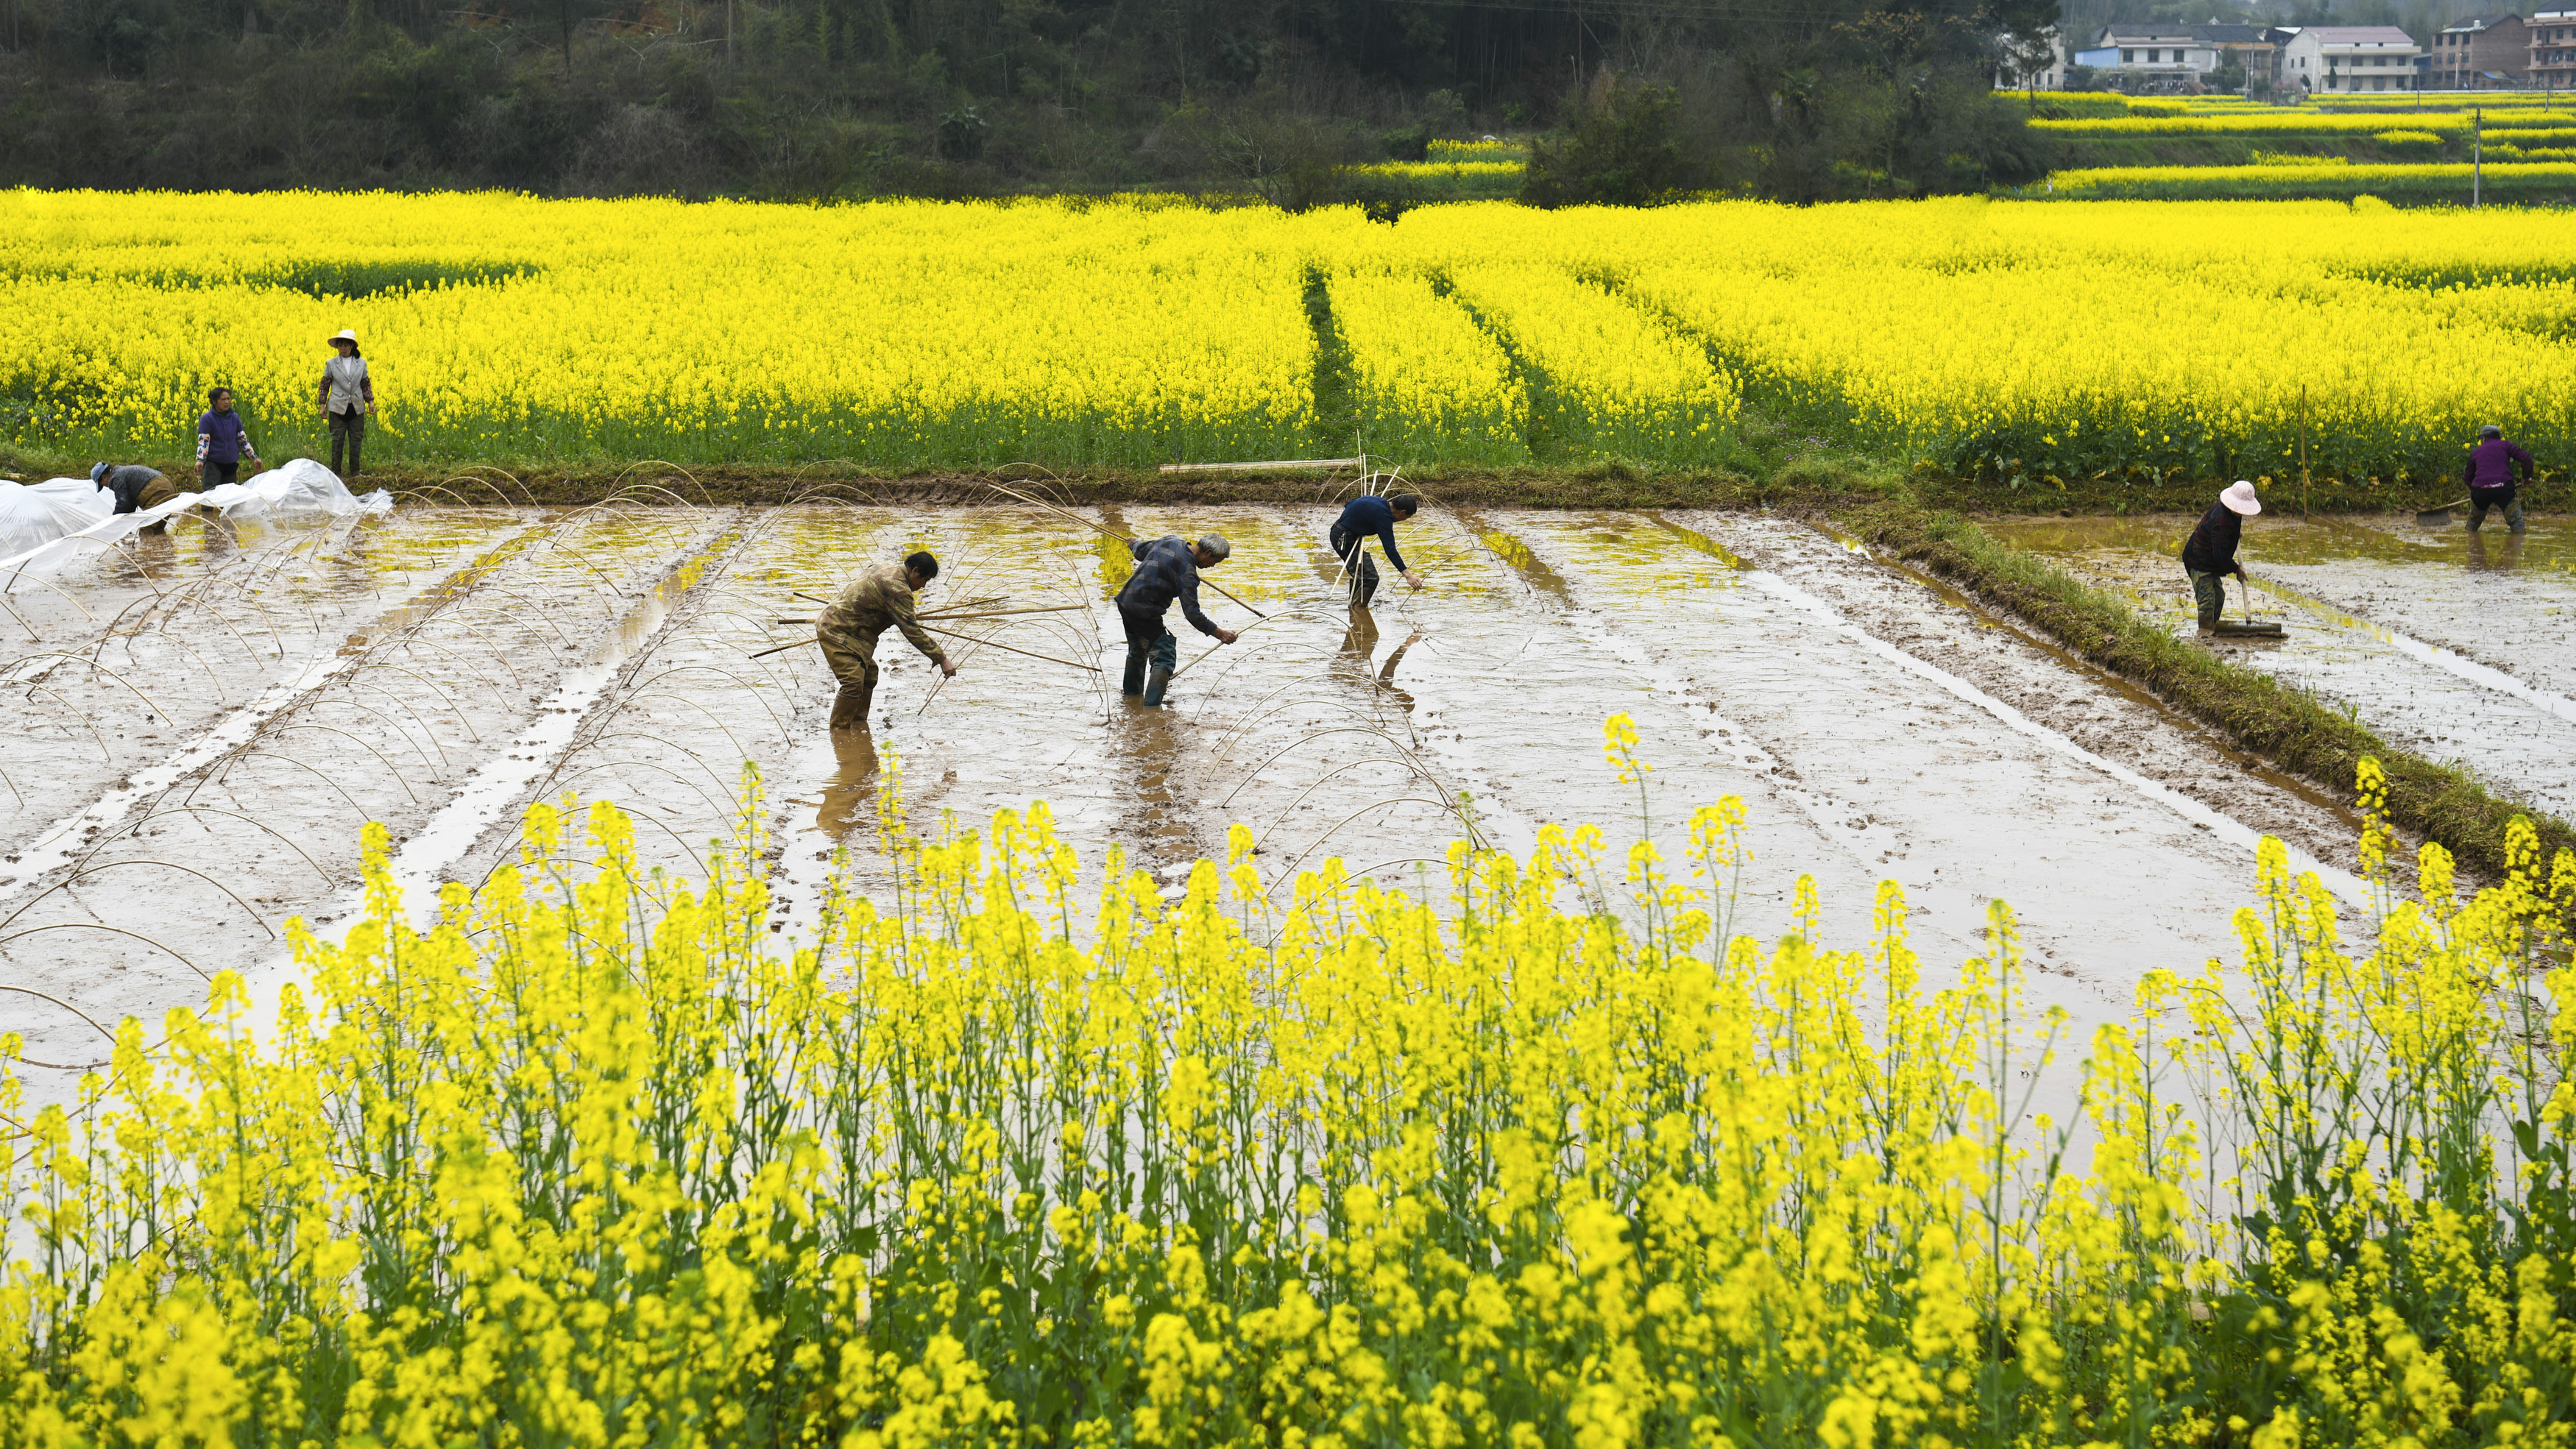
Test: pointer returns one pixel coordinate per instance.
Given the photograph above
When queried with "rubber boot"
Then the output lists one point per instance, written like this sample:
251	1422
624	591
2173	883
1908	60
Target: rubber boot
337	444
1167	658
356	468
1134	680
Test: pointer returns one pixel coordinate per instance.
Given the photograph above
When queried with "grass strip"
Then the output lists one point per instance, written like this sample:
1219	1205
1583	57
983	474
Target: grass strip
2258	712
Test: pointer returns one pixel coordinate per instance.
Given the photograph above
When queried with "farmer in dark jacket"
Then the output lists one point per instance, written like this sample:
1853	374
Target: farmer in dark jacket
221	443
1166	569
2490	476
1365	517
2209	555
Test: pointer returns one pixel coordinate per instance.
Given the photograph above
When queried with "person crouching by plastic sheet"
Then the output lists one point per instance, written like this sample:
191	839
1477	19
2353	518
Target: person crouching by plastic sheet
136	488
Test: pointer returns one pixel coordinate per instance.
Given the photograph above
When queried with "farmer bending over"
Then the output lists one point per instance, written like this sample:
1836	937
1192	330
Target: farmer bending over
1365	517
2489	475
1166	569
136	488
849	627
2209	555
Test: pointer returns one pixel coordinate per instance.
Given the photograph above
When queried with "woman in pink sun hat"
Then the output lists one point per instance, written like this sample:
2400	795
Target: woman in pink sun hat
2209	555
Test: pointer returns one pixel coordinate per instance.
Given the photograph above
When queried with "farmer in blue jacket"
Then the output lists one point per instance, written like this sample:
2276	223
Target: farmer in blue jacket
2489	474
1363	518
221	443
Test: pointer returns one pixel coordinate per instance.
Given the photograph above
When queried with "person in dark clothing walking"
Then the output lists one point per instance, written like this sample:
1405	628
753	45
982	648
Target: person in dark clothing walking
2489	474
1365	517
347	396
2209	555
1166	569
221	443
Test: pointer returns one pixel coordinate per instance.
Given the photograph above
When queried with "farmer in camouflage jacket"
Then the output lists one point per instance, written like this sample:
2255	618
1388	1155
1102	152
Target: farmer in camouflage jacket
848	630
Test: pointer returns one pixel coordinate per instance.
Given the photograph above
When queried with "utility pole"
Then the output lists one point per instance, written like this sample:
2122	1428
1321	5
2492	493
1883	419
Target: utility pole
2477	155
2303	447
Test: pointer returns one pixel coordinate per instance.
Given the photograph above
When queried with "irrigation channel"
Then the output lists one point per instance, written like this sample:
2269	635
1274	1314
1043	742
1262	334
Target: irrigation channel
199	724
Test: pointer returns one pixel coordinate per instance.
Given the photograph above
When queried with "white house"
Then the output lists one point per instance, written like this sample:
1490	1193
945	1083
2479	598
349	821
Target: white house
2153	57
2008	77
2339	59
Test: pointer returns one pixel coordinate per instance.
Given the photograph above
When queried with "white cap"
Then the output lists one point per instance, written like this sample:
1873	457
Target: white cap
2241	498
345	335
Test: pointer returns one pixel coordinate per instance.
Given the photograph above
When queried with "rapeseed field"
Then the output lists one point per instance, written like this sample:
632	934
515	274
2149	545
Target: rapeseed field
1555	1154
2027	343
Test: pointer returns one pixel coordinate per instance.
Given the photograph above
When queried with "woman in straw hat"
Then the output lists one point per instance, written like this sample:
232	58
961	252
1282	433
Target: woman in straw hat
2209	555
347	396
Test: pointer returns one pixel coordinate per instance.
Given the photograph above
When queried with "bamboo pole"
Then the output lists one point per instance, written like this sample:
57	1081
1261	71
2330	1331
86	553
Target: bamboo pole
969	638
988	643
995	613
1280	465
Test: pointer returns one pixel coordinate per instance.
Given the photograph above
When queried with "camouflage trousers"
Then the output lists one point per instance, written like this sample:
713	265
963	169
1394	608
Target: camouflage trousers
852	654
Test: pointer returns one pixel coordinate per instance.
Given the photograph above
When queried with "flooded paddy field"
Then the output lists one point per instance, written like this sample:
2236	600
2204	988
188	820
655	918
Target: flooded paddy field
198	727
2455	644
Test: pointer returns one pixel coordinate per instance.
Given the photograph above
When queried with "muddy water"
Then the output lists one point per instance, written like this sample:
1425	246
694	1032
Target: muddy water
440	670
392	677
2453	644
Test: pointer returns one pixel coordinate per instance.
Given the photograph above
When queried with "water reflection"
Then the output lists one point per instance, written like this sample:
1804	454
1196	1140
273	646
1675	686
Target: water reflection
2507	556
853	786
1357	661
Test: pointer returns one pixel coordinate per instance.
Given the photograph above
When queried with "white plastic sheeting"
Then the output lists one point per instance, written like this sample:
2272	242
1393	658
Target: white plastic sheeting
298	485
87	542
35	514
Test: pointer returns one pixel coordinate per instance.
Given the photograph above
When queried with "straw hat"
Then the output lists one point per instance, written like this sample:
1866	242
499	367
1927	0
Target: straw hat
2241	498
345	335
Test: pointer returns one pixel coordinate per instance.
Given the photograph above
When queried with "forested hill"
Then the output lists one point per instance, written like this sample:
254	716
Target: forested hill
855	98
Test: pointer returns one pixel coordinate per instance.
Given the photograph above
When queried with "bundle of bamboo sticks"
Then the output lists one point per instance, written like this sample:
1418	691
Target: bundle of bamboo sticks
957	612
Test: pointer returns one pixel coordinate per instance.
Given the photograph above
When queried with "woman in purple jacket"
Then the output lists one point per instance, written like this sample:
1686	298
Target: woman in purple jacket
2489	475
221	443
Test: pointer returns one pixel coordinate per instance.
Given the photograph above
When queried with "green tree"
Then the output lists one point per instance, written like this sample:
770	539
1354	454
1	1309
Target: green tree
1621	148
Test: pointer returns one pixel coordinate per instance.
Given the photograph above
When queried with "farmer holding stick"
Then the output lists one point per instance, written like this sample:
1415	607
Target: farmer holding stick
848	628
2209	555
1166	569
2489	475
